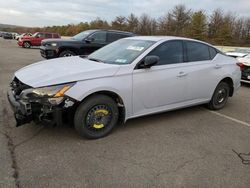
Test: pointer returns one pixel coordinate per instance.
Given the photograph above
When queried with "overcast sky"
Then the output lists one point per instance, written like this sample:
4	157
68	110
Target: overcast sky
59	12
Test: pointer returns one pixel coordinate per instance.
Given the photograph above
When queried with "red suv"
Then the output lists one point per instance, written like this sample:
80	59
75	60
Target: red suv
36	39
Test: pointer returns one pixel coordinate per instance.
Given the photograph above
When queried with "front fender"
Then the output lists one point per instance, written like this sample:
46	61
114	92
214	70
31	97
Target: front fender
121	85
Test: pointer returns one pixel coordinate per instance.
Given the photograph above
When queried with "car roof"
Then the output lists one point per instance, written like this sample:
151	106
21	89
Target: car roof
166	38
112	30
163	38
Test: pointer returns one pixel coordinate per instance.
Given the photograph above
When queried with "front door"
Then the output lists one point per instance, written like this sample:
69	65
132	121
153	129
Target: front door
164	85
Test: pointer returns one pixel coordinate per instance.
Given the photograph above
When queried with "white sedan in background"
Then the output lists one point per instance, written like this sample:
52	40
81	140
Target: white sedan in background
244	63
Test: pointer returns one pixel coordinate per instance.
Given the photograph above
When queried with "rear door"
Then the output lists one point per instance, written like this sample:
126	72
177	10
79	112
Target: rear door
96	41
48	36
203	72
164	85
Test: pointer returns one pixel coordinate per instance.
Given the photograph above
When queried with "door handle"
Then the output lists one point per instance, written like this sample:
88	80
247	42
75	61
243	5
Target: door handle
217	67
182	74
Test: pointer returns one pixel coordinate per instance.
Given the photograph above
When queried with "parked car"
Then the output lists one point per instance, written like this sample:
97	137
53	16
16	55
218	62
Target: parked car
1	33
36	39
14	34
83	43
22	35
131	77
238	52
245	68
7	35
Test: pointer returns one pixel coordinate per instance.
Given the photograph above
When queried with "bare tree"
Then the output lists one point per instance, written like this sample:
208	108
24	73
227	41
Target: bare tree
132	23
119	23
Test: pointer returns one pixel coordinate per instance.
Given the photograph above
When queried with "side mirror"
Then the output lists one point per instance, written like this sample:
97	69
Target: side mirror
37	36
151	60
89	39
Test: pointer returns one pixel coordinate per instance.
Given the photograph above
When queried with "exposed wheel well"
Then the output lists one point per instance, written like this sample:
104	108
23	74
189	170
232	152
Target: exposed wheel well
229	81
118	101
68	48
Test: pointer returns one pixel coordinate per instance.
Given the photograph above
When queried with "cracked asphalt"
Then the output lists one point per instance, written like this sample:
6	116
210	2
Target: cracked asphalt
191	147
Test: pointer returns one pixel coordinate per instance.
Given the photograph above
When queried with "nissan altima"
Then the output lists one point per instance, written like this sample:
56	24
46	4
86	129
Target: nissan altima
129	78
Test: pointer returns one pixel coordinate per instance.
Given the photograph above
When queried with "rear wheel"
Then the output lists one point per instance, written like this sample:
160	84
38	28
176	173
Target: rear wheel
67	53
220	96
26	45
96	117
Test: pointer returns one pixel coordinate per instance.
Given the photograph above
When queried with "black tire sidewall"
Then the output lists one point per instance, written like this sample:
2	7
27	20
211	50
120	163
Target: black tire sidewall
212	104
83	109
66	52
26	43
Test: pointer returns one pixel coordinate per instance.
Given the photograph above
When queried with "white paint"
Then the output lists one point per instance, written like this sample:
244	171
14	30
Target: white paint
230	118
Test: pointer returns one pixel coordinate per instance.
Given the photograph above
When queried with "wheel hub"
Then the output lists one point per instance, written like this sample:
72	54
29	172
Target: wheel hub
221	95
98	117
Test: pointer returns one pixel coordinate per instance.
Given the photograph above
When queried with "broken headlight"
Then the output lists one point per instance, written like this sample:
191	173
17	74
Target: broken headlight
54	94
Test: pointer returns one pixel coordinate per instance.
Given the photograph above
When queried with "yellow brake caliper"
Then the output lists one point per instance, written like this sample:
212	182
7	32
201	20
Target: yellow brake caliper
101	125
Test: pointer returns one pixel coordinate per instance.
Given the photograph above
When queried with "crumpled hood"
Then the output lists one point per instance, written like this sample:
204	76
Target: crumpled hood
64	70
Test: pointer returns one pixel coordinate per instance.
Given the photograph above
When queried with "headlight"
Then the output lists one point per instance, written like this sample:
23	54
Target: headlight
53	44
46	92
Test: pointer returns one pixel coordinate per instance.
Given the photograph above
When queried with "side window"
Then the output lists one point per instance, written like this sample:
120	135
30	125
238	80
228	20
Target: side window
169	52
99	37
48	35
197	51
40	35
111	36
212	52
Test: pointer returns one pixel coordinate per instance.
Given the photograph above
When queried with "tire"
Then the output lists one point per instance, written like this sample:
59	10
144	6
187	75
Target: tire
67	53
96	117
220	96
26	45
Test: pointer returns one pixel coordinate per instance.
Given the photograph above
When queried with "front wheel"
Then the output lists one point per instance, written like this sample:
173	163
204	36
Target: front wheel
220	96
96	117
67	53
26	45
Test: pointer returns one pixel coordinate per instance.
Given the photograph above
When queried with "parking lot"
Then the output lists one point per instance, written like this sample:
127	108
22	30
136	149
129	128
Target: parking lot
192	147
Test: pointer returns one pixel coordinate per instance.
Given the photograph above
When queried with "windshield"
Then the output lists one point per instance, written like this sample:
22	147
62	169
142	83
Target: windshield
123	51
82	35
34	35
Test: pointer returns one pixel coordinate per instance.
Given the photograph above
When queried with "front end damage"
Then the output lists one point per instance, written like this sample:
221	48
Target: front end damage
30	105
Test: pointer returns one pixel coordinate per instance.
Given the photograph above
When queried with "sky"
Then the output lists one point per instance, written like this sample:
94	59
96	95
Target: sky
38	13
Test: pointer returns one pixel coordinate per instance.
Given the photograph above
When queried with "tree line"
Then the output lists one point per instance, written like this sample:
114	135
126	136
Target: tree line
219	28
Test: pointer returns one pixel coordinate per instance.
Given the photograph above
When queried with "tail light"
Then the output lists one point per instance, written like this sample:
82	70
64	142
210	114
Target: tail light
241	65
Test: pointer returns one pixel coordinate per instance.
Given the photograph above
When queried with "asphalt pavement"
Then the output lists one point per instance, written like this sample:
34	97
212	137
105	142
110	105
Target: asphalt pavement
191	148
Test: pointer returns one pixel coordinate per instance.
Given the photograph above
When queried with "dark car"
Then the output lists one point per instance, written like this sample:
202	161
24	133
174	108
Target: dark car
7	35
83	43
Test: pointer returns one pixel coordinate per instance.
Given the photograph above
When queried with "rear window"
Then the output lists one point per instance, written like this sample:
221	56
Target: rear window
197	51
212	52
111	36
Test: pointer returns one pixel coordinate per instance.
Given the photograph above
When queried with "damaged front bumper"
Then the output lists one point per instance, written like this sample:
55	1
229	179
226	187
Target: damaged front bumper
39	111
